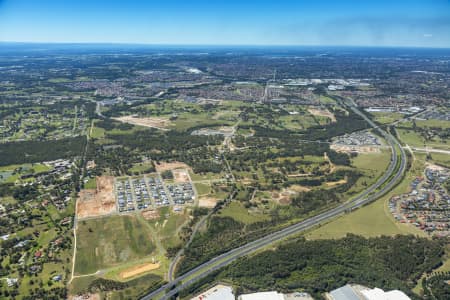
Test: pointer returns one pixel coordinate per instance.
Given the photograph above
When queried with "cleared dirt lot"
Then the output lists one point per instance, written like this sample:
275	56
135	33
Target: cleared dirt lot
299	188
284	197
180	175
434	167
98	202
153	122
137	270
322	113
335	183
151	214
164	166
358	149
207	202
85	297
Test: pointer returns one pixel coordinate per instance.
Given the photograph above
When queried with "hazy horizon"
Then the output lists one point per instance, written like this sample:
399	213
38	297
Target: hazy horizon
416	23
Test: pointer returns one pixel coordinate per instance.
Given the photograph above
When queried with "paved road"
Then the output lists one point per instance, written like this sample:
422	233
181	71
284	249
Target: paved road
427	149
383	184
173	264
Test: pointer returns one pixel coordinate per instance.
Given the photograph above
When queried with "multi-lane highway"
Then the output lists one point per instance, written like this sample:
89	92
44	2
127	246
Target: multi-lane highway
391	177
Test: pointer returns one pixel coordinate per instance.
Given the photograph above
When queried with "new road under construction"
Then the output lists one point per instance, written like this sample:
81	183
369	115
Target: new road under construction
385	183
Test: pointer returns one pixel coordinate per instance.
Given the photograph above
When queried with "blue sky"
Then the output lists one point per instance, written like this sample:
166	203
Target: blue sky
423	23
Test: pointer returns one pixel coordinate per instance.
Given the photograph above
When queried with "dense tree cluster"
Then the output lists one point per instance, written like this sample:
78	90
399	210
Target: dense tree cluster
101	285
224	233
26	192
110	124
164	143
322	265
55	293
437	286
347	122
38	151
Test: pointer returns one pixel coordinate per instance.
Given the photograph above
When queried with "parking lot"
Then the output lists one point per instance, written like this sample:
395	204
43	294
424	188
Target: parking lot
151	191
359	142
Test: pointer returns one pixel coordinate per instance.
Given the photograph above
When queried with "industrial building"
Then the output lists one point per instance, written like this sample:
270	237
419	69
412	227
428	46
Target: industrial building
218	292
359	292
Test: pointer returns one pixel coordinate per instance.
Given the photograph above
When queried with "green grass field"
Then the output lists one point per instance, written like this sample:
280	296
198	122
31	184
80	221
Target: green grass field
141	168
428	123
372	161
386	118
137	287
371	220
11	173
371	166
107	242
91	184
205	176
413	139
97	132
188	120
167	228
80	284
238	212
202	188
436	158
298	122
441	158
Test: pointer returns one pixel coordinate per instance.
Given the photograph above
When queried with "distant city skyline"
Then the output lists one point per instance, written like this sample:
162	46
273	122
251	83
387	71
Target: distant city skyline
413	23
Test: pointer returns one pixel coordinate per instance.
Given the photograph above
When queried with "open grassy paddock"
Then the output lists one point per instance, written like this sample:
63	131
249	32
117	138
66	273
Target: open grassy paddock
386	117
13	173
107	242
238	212
410	133
372	166
373	219
91	184
166	227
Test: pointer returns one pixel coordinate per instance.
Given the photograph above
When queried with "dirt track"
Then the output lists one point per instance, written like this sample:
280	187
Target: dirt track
164	166
335	183
207	202
153	122
138	270
351	148
150	214
322	113
180	175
